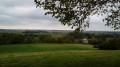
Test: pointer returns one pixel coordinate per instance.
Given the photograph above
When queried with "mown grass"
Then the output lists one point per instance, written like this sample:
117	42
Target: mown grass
42	47
57	55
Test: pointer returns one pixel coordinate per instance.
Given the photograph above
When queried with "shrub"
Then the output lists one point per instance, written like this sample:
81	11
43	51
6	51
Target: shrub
113	44
95	41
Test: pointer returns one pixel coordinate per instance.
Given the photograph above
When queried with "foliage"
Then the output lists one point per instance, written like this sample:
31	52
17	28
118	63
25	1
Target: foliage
75	35
72	37
76	13
43	37
13	38
110	44
96	41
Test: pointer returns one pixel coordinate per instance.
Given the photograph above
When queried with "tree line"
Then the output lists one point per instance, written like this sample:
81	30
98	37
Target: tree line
101	41
72	37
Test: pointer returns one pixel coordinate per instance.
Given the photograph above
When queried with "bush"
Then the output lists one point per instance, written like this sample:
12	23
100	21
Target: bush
96	41
11	38
44	38
113	44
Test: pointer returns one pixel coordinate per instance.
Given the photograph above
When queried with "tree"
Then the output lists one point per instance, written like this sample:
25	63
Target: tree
75	35
76	13
111	44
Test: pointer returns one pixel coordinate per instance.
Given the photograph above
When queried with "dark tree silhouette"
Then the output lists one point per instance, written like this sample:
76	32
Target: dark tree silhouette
76	13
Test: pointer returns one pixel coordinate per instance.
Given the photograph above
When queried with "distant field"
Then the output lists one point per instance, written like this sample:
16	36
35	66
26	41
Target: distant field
53	34
57	55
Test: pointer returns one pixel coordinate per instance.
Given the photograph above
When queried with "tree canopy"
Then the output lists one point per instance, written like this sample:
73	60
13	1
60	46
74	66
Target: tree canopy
76	13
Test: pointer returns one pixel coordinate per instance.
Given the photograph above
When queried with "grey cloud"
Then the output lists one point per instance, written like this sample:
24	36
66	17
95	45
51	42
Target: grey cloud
13	3
21	11
7	20
23	14
28	13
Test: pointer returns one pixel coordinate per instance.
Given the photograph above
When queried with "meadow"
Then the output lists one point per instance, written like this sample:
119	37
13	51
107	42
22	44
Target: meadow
57	55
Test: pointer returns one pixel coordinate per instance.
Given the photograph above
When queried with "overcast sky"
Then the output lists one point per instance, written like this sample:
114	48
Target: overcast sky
23	14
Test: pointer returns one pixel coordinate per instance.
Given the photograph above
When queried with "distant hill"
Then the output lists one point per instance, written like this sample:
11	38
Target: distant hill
52	31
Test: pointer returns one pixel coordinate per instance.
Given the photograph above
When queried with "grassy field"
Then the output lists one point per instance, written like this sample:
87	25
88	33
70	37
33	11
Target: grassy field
57	55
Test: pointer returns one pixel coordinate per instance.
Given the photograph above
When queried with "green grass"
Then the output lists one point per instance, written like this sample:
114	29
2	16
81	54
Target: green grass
57	55
42	47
